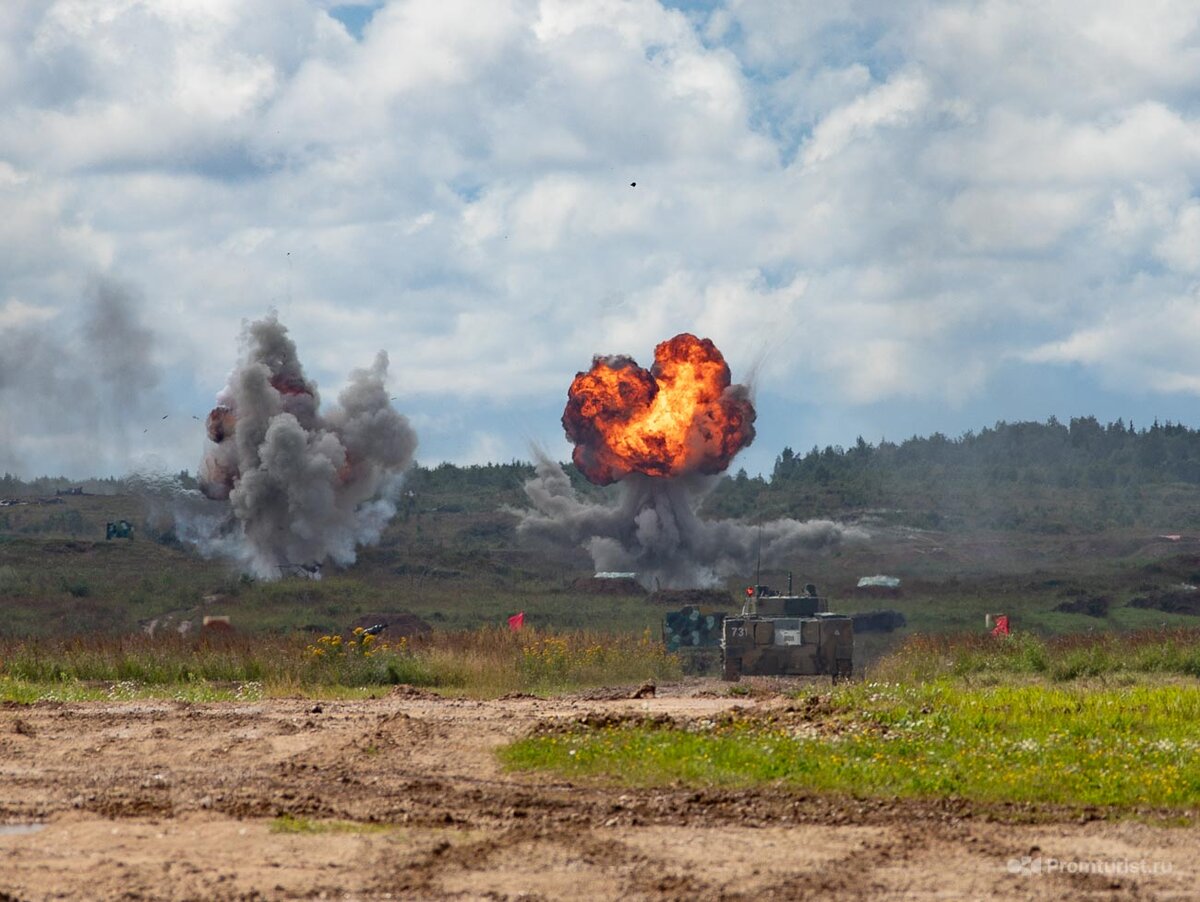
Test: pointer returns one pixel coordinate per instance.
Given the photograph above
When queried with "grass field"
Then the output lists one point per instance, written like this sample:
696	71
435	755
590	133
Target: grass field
1124	737
455	561
482	663
985	659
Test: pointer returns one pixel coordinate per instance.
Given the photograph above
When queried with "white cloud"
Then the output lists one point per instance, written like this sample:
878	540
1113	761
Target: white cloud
893	103
1148	343
915	196
997	219
1179	247
14	314
488	447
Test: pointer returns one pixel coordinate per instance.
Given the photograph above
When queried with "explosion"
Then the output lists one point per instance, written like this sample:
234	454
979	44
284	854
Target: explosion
300	486
680	416
663	434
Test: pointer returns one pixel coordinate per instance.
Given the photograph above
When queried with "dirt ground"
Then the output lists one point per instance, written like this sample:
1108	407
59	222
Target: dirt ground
168	800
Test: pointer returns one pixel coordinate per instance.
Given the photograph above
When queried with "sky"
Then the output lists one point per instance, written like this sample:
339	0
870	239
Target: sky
894	218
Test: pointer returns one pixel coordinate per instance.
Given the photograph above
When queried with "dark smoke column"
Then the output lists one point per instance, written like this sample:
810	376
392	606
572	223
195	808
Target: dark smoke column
303	486
663	435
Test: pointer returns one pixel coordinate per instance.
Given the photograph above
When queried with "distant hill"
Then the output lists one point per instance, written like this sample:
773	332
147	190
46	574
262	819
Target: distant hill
1062	527
1035	477
1046	478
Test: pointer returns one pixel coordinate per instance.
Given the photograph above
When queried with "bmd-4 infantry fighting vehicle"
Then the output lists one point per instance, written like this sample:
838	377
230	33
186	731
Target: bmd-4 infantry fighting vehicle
786	635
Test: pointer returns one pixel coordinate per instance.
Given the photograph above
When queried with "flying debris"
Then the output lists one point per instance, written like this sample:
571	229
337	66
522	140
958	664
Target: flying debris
305	571
664	435
219	424
296	483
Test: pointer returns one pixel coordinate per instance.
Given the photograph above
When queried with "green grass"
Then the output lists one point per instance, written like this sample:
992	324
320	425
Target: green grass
485	663
458	569
29	691
456	562
1157	651
1100	719
1077	745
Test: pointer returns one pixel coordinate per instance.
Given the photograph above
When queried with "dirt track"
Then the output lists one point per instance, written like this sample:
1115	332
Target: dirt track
162	800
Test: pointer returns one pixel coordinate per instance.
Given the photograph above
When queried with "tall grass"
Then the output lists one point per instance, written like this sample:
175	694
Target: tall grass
484	662
922	658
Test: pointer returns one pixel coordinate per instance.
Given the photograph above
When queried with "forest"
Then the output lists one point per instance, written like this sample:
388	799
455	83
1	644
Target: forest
1051	477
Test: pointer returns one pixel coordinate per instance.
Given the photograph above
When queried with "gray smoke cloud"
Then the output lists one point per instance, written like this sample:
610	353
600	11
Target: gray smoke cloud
284	484
652	528
81	384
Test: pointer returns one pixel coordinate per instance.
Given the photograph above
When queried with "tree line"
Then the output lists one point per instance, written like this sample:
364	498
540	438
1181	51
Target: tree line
1051	477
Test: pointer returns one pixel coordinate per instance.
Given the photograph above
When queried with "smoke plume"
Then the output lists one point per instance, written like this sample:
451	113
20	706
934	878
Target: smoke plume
79	385
652	529
288	484
662	434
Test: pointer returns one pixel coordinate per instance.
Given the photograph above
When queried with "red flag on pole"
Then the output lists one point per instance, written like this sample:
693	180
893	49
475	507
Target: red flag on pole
1001	628
516	621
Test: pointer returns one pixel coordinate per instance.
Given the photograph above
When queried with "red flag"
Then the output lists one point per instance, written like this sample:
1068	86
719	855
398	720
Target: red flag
516	621
1001	628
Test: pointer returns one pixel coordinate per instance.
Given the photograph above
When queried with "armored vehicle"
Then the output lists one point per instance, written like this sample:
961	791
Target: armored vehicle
786	635
692	627
121	529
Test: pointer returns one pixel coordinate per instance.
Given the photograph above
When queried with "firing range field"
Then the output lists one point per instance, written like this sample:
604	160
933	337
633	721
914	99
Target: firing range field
407	793
403	797
452	558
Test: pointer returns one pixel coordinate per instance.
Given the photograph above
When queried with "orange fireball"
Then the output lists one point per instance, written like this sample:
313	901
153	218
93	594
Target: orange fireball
681	416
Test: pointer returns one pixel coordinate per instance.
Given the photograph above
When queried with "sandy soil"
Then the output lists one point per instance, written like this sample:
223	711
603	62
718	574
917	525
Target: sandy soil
163	800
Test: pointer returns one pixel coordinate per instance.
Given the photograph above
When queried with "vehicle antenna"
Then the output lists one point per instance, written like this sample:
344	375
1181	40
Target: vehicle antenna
758	565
